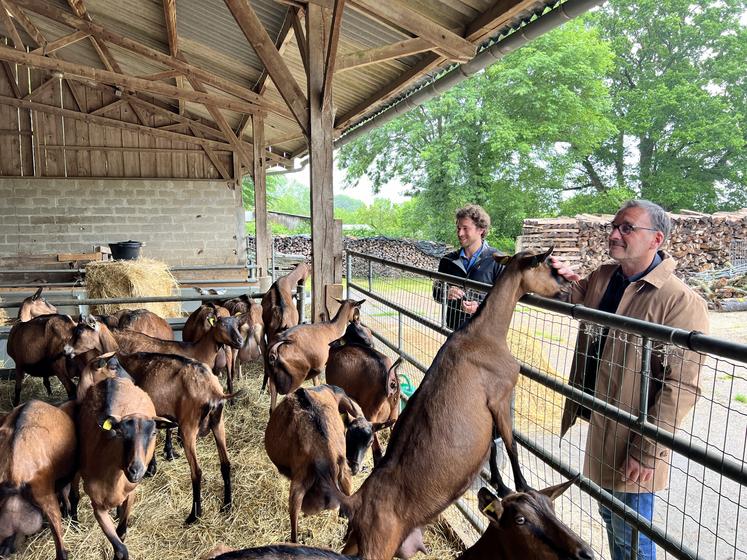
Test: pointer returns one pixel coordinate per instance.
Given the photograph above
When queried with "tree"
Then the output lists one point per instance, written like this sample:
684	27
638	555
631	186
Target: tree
500	139
679	101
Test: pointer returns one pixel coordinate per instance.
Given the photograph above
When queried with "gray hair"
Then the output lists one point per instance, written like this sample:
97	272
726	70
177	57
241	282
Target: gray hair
660	220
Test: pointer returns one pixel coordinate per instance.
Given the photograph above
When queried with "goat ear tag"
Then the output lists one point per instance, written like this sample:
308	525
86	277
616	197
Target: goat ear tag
211	320
107	425
490	508
344	417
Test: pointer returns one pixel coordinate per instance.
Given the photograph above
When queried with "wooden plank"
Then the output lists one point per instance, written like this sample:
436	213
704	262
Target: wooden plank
44	8
109	107
128	149
213	158
81	72
105	121
76	93
11	79
38	92
106	57
165	75
96	132
401	16
82	131
320	157
27	25
301	42
331	56
147	159
498	14
68	257
164	165
10	27
400	49
265	48
61	43
113	137
10	138
281	42
169	14
69	131
262	230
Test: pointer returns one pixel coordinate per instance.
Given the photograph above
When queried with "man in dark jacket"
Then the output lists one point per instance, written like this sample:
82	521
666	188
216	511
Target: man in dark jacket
473	261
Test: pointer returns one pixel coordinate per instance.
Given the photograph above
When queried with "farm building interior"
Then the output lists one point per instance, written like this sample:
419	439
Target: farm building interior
138	119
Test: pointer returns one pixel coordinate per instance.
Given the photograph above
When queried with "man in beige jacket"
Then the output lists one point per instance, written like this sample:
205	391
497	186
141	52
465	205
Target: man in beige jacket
640	284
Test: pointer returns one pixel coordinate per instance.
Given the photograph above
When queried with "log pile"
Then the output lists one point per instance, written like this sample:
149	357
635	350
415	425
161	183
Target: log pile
699	242
721	291
421	254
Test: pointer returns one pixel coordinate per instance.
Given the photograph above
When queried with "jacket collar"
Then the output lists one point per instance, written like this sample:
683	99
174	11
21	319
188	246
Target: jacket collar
661	273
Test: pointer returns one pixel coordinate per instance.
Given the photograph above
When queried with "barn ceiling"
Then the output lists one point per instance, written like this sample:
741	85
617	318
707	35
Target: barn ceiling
209	65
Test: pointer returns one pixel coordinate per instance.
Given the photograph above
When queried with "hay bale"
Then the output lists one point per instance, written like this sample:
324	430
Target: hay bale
137	278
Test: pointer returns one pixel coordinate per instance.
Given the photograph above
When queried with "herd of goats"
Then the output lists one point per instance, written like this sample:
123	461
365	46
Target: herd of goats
135	379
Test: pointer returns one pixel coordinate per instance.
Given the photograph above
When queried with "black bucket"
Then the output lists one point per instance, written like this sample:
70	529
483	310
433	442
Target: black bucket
125	250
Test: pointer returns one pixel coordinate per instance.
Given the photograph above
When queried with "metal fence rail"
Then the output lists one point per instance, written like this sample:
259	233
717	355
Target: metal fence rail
700	514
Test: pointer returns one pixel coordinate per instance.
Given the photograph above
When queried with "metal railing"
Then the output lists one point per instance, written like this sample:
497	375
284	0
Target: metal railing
708	460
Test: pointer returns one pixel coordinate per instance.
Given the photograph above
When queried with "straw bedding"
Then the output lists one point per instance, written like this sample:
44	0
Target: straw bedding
136	278
260	497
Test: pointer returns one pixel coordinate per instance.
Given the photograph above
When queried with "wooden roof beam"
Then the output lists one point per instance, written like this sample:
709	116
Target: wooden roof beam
303	44
213	158
11	79
26	23
77	71
500	13
44	9
400	49
158	76
265	48
41	89
10	27
331	58
398	15
61	43
280	43
169	15
105	55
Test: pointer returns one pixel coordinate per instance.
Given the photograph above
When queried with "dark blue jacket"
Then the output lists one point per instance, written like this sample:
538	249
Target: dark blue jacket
485	269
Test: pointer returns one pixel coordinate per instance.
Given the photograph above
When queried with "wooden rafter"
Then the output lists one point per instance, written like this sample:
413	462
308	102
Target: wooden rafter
11	79
331	52
106	57
303	44
61	43
243	125
281	42
79	71
108	107
399	49
10	27
400	16
43	8
73	87
212	157
265	48
106	121
158	76
501	12
26	23
41	89
169	15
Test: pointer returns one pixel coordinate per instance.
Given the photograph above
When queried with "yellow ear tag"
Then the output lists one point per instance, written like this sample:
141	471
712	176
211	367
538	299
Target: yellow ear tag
236	314
344	417
489	508
107	425
211	321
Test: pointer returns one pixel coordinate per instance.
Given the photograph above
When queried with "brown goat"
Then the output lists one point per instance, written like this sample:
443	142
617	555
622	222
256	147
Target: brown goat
198	324
367	376
38	456
275	552
524	525
188	392
443	437
35	306
252	328
37	348
117	425
302	351
311	444
93	335
138	320
278	310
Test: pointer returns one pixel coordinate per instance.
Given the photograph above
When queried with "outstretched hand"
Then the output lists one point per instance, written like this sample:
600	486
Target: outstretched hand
564	270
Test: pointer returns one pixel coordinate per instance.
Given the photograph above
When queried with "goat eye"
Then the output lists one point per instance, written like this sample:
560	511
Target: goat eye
519	520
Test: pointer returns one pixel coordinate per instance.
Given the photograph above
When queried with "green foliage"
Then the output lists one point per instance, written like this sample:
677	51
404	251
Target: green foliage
605	202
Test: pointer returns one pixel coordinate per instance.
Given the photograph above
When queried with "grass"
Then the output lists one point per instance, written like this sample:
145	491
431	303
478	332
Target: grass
741	398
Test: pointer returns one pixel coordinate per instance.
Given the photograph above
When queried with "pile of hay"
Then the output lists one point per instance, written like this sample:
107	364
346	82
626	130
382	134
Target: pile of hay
137	278
260	497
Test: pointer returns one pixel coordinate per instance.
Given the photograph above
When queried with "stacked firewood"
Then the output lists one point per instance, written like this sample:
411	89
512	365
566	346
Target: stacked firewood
699	242
719	290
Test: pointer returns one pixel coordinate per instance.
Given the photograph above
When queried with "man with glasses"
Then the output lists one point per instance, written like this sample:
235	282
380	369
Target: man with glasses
607	363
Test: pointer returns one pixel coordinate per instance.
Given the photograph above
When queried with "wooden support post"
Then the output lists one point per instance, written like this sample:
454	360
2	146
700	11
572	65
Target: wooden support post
239	206
320	153
259	168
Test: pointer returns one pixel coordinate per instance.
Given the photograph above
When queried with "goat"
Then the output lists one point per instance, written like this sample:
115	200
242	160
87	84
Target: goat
275	552
37	348
38	456
199	322
524	525
138	320
34	306
443	437
312	445
367	376
251	326
278	311
301	352
188	392
93	335
117	427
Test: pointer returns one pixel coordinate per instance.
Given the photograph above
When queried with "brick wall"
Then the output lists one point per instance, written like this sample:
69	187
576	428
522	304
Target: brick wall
181	222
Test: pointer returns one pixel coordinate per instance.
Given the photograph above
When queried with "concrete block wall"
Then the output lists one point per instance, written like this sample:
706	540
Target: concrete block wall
182	222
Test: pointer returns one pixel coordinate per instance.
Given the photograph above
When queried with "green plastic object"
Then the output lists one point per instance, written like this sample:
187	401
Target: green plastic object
406	388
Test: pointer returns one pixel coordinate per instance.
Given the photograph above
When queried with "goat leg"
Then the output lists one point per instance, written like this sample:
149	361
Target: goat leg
123	513
47	386
298	490
168	447
189	439
107	525
46	500
8	546
501	410
219	434
376	450
19	383
152	468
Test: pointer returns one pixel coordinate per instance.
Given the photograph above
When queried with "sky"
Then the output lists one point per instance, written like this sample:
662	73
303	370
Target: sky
362	190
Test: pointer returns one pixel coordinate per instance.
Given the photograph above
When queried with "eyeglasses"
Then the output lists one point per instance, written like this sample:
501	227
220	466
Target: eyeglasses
626	229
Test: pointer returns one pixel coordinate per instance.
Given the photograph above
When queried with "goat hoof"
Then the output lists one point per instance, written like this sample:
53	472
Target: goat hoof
171	456
191	519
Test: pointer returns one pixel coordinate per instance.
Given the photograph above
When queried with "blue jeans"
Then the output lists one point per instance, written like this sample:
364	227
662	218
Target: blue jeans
620	534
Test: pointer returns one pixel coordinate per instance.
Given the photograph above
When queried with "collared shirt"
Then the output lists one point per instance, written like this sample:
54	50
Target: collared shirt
619	282
469	262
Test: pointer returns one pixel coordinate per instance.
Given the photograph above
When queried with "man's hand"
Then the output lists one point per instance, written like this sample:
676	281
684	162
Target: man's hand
564	270
455	293
634	472
470	306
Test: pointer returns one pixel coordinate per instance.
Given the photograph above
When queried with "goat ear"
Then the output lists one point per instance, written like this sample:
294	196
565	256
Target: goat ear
553	492
537	260
37	294
392	381
378	426
359	303
90	321
110	424
502	259
339	343
490	504
163	423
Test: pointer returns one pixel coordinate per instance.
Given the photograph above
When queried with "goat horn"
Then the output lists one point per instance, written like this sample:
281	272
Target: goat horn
37	294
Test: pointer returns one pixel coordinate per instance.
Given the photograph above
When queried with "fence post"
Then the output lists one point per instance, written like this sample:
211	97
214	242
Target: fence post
300	302
272	258
348	272
444	304
370	276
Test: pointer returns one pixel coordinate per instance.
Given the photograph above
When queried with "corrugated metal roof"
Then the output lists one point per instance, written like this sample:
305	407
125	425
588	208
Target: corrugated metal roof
210	39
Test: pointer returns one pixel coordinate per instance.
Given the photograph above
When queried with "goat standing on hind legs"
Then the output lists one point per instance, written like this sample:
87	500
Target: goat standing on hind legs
443	437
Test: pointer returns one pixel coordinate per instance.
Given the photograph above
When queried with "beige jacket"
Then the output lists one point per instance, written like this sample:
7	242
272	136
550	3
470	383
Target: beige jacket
659	297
